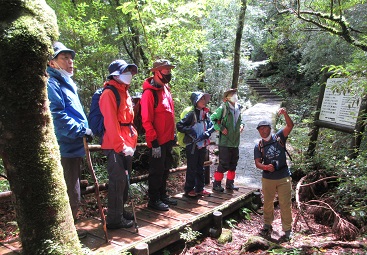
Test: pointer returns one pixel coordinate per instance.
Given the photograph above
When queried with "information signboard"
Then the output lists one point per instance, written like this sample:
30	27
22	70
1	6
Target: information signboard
339	108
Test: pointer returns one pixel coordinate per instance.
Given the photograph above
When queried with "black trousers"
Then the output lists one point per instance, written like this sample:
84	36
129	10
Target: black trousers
195	178
228	158
118	188
158	172
71	167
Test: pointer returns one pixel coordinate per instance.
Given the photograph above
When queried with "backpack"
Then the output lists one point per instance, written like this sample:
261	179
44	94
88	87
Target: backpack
138	123
277	139
181	136
95	117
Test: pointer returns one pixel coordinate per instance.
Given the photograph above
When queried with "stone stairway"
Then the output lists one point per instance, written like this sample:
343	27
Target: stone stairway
262	91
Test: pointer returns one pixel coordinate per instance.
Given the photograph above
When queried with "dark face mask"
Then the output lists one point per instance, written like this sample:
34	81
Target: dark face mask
166	78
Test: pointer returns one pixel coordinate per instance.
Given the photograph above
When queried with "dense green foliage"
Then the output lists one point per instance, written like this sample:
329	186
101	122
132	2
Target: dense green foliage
198	37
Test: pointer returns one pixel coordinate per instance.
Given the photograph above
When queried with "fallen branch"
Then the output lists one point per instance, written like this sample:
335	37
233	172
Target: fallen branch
300	206
320	180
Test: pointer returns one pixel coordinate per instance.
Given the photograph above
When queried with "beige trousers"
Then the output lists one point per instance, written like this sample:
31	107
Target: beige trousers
284	189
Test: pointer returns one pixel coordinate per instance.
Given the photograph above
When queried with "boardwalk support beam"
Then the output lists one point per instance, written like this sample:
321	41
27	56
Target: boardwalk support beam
216	231
141	249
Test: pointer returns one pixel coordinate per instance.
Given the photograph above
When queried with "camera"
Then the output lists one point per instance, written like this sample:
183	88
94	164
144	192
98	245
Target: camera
275	164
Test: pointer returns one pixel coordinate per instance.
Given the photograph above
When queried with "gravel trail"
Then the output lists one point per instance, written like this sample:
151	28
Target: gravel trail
247	174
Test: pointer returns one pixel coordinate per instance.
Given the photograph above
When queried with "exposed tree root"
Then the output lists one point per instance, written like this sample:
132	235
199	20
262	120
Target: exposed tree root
330	245
342	229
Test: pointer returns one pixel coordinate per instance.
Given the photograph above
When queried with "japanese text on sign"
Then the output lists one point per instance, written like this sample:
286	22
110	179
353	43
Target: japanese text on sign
339	108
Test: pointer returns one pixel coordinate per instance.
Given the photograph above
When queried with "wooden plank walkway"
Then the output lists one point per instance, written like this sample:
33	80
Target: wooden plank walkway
157	229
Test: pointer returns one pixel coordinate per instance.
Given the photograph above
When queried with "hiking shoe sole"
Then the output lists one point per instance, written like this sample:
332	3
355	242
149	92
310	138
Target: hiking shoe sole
204	193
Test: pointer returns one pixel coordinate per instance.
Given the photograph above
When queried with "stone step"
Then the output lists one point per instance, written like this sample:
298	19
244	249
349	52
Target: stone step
262	91
261	88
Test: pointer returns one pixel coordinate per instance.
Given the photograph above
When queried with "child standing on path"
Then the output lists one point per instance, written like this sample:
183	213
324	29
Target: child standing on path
197	126
227	120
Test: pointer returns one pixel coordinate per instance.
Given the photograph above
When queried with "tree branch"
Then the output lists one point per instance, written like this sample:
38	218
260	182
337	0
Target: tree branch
340	26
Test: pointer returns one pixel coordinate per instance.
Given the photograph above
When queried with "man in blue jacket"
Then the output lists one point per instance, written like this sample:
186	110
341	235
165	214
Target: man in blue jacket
69	119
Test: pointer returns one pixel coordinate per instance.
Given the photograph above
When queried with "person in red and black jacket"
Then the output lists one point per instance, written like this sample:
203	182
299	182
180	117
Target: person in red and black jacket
159	124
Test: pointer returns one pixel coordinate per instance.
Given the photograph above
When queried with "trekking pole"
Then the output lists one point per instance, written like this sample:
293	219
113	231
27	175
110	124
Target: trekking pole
96	186
132	201
194	146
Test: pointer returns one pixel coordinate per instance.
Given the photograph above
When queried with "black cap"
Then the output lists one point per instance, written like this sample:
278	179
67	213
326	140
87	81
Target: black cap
263	123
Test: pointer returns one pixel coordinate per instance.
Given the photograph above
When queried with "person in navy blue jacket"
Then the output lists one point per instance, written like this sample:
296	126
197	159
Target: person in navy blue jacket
198	127
70	121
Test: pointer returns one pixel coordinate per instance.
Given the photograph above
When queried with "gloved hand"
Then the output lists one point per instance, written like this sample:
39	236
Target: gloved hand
89	134
128	151
204	136
175	139
156	152
88	131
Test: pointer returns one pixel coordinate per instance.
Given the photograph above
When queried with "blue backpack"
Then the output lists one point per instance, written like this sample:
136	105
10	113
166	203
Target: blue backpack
95	117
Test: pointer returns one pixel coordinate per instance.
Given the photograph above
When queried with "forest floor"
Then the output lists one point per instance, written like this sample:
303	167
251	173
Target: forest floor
309	237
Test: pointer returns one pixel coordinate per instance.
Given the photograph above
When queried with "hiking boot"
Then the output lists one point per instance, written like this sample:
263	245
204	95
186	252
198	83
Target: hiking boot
230	185
128	215
158	205
288	235
191	193
217	186
124	223
204	193
169	201
266	231
81	233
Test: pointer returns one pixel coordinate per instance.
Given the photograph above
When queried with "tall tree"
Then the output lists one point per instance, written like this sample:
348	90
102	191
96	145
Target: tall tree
28	145
237	47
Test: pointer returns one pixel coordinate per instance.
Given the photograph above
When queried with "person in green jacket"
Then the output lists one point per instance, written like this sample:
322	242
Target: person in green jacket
227	120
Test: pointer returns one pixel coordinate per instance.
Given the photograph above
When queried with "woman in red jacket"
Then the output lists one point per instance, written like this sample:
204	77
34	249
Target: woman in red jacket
119	141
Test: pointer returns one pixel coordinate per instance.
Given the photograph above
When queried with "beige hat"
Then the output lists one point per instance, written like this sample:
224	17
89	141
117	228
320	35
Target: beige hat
230	91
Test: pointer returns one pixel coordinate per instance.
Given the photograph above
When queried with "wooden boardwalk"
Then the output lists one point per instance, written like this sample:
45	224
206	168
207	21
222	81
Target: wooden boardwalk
157	229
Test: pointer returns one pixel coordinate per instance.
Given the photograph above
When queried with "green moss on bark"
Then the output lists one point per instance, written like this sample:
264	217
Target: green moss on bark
27	142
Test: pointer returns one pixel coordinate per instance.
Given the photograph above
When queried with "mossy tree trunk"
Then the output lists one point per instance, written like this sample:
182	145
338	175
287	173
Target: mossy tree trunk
27	142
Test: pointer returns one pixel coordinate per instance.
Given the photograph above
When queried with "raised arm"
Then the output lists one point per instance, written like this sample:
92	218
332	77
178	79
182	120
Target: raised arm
289	123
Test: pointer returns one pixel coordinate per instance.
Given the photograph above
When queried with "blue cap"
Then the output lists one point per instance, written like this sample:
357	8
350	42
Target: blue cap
117	67
59	47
